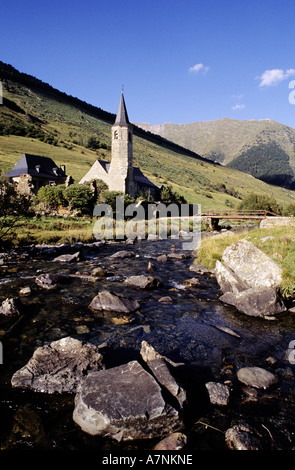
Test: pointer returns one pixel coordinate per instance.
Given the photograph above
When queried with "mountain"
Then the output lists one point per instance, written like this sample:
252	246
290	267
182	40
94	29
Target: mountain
264	148
37	119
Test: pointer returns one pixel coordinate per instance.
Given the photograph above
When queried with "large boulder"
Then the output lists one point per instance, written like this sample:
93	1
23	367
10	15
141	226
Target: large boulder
124	403
58	367
251	265
250	280
228	280
256	302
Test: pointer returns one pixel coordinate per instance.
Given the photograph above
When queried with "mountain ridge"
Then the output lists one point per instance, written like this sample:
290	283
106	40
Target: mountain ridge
225	140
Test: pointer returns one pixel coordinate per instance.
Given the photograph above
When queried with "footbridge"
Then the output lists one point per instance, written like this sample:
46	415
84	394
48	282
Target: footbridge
216	215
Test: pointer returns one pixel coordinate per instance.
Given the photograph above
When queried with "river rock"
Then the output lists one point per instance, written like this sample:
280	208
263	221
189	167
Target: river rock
258	302
175	441
228	280
10	307
50	280
107	301
143	282
124	403
59	366
25	291
199	269
251	265
242	437
68	258
162	374
98	272
219	394
123	254
256	377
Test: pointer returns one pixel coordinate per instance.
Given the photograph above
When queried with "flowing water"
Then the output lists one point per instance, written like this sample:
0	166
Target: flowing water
186	330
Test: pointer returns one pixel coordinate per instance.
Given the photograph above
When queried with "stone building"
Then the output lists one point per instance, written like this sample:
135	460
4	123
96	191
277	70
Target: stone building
119	174
34	171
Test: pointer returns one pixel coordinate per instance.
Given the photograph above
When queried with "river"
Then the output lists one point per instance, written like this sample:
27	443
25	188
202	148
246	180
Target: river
186	330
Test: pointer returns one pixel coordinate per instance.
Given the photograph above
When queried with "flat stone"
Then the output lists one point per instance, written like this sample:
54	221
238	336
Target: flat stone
143	282
107	301
219	394
256	377
124	403
123	254
161	372
68	258
58	367
199	269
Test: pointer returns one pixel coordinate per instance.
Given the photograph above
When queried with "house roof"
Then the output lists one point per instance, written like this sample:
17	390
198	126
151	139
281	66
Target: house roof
34	165
122	115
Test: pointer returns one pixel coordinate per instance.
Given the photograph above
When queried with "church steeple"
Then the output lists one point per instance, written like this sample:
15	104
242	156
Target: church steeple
122	115
121	167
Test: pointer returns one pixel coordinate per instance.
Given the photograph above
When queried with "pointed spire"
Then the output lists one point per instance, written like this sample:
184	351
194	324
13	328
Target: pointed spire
122	116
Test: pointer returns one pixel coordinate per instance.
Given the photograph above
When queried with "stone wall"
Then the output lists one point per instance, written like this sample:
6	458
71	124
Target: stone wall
277	222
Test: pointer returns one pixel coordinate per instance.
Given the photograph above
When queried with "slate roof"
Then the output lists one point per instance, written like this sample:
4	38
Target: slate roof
28	164
122	115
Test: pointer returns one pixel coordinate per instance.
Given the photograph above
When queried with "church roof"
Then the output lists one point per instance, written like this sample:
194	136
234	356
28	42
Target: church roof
34	165
122	116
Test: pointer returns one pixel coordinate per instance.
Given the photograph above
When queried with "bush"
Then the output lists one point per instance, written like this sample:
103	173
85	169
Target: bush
258	202
51	196
13	206
80	197
289	211
168	196
109	197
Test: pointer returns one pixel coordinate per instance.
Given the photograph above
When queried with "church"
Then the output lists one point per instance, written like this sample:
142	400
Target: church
120	174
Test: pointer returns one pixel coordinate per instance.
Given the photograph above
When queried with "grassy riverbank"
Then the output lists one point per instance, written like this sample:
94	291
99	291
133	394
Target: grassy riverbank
57	229
279	246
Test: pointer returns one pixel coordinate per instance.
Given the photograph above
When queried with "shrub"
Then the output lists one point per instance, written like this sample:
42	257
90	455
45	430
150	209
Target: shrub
168	196
259	202
289	210
80	197
13	206
51	196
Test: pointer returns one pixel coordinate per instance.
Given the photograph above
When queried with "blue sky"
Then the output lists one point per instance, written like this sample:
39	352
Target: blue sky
179	61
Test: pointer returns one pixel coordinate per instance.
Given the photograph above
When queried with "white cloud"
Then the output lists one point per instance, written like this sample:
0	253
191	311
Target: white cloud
199	68
275	76
238	106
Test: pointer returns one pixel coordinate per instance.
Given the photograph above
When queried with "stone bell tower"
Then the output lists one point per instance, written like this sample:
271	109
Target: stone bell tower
121	169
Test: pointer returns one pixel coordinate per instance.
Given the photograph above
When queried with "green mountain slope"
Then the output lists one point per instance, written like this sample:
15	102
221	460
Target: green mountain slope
265	149
35	118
